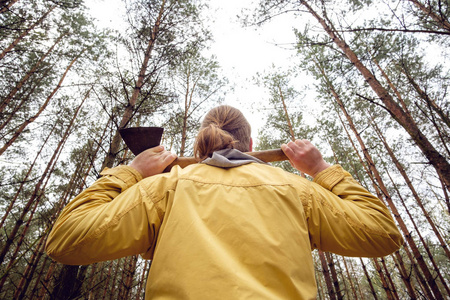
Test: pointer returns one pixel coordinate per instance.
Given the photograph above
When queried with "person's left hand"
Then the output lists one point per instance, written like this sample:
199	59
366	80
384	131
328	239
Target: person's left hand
152	161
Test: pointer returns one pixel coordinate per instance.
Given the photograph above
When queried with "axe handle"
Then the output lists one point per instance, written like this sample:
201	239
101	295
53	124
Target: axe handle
265	156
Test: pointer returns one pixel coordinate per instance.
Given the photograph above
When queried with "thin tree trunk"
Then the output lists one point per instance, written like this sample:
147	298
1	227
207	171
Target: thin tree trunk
92	278
41	109
379	181
187	105
326	275
334	276
288	120
438	161
105	286
404	274
129	278
113	282
20	37
115	144
37	279
6	7
320	292
424	243
19	85
389	277
38	191
25	180
144	277
24	99
45	283
411	187
384	283
374	294
424	96
441	20
350	278
28	274
428	102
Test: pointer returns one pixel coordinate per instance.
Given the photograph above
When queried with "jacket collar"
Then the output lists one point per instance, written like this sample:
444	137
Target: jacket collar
230	158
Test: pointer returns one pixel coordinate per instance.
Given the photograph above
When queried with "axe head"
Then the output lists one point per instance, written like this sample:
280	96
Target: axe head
139	139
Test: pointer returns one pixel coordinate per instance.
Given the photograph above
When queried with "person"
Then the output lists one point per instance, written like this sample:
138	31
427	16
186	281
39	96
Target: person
230	227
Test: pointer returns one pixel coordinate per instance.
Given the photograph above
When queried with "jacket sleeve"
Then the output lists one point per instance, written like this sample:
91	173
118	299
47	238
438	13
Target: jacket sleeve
346	219
111	219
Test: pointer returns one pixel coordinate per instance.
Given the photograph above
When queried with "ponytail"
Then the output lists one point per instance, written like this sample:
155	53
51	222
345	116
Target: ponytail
212	138
223	127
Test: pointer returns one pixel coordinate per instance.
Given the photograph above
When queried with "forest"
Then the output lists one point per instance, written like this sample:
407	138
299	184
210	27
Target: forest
379	72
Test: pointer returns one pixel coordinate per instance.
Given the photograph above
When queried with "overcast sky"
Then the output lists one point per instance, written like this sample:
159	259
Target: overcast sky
241	52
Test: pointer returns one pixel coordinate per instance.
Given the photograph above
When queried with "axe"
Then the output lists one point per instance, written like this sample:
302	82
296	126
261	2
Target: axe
139	139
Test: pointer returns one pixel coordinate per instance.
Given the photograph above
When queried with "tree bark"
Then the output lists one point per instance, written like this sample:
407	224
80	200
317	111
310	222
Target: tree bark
37	193
384	283
424	243
19	85
374	294
334	276
379	181
20	37
41	109
441	19
412	189
438	161
326	275
6	7
126	117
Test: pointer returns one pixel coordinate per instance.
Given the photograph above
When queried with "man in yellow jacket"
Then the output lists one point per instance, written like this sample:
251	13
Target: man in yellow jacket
230	227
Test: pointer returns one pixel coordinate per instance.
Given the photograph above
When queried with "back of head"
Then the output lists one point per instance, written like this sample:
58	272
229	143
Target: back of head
223	127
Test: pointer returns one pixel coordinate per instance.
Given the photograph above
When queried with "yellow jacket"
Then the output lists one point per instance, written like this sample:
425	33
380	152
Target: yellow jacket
213	233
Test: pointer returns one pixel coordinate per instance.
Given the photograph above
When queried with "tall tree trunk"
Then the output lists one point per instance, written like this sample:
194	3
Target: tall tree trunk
288	119
37	279
143	279
7	6
404	274
41	109
426	98
39	188
379	181
412	189
46	282
24	99
441	19
400	266
369	281
351	278
28	274
25	180
326	275
384	283
389	277
115	144
20	37
424	243
19	85
438	161
334	276
128	282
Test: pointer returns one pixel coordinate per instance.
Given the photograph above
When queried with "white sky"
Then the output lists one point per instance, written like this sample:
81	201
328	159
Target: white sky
241	52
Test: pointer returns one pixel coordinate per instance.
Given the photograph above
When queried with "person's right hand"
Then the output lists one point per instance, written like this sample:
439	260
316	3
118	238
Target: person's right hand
152	161
305	157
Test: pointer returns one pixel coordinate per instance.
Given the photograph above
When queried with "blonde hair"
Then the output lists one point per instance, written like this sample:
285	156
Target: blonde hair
223	127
